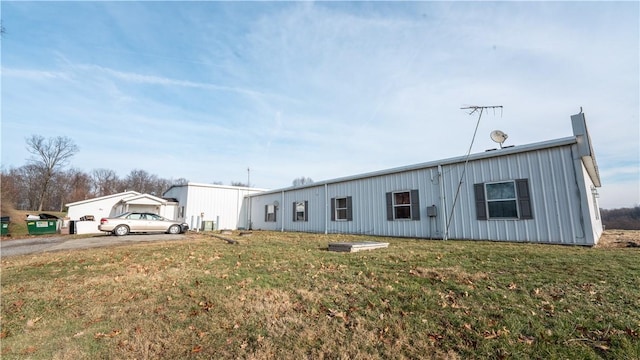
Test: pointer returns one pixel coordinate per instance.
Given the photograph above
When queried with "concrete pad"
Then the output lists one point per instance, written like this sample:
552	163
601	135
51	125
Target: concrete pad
356	246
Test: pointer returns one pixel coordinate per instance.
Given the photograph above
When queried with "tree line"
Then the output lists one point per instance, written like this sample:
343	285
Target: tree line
24	188
45	183
624	218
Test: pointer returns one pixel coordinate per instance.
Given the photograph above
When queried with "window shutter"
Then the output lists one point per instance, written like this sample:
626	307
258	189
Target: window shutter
390	206
524	199
294	211
266	213
306	210
349	210
481	207
415	205
333	209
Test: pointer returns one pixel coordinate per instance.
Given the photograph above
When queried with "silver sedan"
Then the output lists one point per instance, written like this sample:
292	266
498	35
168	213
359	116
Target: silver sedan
138	222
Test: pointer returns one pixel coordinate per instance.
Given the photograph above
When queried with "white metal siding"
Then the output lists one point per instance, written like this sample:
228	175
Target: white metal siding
315	208
204	202
99	207
554	198
553	186
258	204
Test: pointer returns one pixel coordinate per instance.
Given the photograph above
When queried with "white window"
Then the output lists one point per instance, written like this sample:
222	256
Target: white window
270	213
341	209
501	200
403	205
300	211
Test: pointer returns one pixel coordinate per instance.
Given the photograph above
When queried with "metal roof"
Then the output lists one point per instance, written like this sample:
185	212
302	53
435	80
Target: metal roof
459	159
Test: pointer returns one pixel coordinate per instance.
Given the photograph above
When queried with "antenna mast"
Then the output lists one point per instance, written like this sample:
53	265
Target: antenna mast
472	110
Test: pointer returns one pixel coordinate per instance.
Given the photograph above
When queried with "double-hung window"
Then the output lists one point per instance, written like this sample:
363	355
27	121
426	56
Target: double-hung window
503	200
341	209
403	205
300	211
269	213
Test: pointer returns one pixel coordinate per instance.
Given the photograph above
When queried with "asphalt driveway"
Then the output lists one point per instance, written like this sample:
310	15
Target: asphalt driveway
58	243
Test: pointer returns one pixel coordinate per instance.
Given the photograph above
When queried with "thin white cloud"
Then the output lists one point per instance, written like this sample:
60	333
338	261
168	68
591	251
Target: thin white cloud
320	89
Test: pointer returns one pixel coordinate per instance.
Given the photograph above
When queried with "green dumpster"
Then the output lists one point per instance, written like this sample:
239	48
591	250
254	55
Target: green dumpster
5	225
43	226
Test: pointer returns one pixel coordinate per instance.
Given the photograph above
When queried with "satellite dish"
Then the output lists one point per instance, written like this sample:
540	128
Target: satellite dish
499	137
276	203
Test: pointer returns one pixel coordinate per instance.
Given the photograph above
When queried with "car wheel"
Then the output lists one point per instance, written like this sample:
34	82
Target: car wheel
121	230
174	229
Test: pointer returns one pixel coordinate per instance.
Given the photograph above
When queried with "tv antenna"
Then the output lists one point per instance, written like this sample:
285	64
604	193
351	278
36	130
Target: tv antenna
499	137
472	110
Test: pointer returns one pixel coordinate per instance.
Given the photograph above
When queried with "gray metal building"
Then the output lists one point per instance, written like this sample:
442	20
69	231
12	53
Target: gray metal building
543	193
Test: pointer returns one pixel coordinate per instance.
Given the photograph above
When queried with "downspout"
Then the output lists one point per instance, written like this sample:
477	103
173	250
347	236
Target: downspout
582	194
248	210
445	233
282	215
327	209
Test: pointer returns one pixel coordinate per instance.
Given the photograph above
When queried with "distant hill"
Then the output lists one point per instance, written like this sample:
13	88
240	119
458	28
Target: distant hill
625	218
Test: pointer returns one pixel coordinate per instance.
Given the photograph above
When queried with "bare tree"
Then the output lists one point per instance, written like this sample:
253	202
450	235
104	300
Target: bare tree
104	182
49	155
239	183
179	181
69	186
20	186
11	190
141	181
302	181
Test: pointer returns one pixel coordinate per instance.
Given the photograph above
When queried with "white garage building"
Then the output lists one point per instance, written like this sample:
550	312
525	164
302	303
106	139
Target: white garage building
86	214
543	192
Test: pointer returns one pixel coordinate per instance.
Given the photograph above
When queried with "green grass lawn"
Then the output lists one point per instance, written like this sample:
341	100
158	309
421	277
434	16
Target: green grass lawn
284	296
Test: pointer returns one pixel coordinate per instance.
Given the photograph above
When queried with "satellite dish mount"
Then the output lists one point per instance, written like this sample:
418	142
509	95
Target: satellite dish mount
499	137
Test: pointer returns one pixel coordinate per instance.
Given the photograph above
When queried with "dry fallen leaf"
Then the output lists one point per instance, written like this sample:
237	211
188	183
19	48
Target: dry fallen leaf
113	333
32	322
526	339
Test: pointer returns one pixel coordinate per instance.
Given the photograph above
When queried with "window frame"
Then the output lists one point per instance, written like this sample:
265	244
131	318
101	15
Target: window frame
523	203
513	200
348	209
404	206
413	205
305	212
270	216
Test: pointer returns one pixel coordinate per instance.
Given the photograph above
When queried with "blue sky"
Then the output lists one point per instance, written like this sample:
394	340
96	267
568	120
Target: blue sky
203	90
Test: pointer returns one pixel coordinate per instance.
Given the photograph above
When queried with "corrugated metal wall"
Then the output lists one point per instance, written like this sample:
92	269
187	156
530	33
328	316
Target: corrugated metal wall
203	202
554	196
553	184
